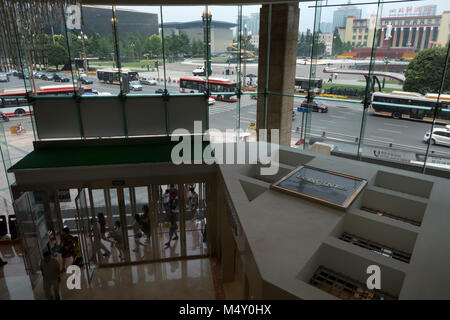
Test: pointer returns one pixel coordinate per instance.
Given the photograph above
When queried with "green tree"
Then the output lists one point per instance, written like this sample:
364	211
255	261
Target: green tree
154	45
306	42
424	72
340	47
57	54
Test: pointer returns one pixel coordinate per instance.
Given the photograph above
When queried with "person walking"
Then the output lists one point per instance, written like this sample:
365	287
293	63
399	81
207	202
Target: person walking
166	200
193	200
118	237
102	222
173	225
51	277
97	237
145	221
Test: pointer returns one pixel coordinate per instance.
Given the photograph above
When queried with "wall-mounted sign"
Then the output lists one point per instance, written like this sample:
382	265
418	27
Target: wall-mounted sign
331	188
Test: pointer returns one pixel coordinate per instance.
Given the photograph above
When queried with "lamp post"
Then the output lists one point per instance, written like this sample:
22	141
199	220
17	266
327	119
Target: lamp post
206	18
389	38
83	37
245	40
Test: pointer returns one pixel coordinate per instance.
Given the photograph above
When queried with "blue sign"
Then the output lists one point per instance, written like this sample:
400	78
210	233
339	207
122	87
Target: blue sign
300	109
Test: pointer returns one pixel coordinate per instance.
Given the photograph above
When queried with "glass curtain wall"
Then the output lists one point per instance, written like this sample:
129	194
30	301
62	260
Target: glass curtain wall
378	99
352	61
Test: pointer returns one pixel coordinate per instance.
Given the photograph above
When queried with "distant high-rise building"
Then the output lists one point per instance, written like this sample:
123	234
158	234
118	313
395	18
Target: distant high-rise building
341	14
252	22
326	27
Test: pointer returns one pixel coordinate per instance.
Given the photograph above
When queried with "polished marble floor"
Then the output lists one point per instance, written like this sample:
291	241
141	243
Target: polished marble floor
177	280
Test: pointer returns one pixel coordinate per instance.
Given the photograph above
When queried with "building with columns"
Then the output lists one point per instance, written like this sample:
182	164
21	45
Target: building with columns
418	32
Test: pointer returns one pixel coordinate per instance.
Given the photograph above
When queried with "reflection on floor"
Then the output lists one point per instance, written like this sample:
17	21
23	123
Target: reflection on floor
14	281
141	248
187	279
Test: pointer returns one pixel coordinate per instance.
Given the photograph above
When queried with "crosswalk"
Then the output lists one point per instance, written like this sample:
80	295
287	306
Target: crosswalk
225	107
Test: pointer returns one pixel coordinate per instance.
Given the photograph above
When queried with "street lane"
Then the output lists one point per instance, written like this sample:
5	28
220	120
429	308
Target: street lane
343	121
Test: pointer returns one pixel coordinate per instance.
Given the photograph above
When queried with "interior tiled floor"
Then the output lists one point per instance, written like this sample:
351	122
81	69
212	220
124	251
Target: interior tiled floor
175	280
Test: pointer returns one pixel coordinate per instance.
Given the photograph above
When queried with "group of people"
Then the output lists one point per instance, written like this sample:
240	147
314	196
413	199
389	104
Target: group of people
51	269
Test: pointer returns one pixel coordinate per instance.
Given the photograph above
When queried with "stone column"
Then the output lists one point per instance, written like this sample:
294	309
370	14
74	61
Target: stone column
282	68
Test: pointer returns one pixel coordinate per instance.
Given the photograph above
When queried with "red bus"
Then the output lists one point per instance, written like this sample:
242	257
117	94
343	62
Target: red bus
221	89
13	102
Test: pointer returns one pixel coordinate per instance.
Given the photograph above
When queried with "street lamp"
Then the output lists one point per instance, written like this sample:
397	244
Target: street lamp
83	37
206	18
245	40
389	38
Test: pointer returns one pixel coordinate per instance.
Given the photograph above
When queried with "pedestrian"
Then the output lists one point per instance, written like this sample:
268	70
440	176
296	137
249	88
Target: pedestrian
173	195
335	76
2	263
77	257
67	249
118	237
166	199
173	226
97	236
51	277
137	225
193	201
102	222
145	221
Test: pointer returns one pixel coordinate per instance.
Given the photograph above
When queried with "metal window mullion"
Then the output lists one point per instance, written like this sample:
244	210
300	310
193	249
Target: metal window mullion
238	75
266	84
166	109
368	92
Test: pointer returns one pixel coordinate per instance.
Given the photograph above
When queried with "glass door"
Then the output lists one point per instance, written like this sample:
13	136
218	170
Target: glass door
32	229
87	233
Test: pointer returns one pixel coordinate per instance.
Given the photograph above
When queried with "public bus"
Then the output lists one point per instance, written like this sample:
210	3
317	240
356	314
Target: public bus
13	102
302	84
410	105
218	87
112	75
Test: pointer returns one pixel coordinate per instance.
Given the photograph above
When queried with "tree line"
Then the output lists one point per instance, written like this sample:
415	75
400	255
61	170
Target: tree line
131	45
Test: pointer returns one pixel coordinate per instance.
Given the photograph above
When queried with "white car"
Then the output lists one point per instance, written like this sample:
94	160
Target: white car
211	101
135	86
149	81
199	71
440	136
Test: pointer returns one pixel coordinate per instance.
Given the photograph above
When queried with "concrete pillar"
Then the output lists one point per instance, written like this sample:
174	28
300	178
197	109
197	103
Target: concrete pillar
282	67
409	37
423	39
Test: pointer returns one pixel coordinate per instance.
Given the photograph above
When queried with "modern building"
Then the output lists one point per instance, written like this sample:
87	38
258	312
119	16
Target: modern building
252	23
327	39
98	19
417	32
255	40
326	27
341	14
221	33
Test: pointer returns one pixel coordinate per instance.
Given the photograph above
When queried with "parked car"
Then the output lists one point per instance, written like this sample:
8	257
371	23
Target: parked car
85	80
38	74
149	81
160	90
440	136
21	75
316	107
211	101
4	77
48	77
135	86
58	77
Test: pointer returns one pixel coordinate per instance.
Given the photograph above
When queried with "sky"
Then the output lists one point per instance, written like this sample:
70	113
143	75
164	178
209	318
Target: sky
230	13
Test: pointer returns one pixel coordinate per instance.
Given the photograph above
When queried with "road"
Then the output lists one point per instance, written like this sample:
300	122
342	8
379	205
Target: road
342	122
